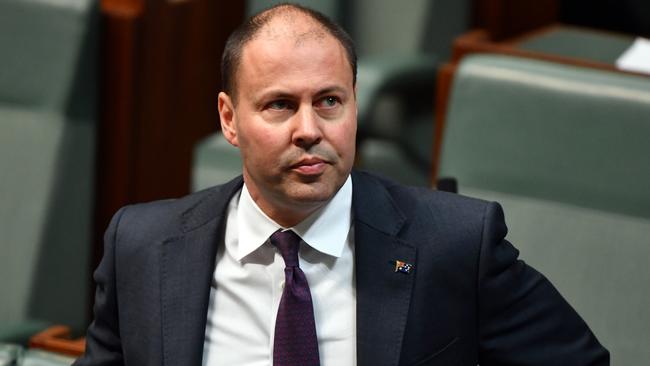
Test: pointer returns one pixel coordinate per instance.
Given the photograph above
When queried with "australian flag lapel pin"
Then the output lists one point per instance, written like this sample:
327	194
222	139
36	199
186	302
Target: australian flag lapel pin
403	267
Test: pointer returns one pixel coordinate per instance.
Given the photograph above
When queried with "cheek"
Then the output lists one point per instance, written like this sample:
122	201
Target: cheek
260	143
343	139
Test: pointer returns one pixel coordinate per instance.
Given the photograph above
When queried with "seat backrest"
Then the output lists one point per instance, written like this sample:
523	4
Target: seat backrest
550	131
596	259
42	46
48	118
215	161
566	152
446	20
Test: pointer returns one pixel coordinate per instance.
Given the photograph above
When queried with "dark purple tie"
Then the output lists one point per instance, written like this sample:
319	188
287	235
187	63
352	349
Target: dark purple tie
295	341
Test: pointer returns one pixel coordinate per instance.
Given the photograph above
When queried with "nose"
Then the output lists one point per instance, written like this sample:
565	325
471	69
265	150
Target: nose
307	131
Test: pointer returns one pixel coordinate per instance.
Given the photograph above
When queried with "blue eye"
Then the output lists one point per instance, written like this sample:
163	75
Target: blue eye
329	102
278	105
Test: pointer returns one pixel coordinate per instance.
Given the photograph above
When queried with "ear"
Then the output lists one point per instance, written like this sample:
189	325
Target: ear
227	117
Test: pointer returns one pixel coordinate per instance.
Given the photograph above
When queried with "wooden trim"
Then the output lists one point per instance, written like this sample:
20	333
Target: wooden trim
477	41
126	9
160	79
121	28
443	90
57	339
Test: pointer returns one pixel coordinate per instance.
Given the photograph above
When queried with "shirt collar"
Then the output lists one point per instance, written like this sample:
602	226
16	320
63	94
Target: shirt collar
325	230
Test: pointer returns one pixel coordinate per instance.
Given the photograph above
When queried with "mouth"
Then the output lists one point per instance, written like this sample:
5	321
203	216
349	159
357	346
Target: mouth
310	166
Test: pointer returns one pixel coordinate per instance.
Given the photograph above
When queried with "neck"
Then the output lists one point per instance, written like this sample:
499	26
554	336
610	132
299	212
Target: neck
285	214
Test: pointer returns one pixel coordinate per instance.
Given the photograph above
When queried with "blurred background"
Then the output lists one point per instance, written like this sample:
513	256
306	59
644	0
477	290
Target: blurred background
112	102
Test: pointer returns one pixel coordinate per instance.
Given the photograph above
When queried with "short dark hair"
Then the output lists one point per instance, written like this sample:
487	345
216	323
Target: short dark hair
232	52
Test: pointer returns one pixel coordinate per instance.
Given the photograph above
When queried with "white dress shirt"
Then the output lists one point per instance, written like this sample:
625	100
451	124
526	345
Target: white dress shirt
249	277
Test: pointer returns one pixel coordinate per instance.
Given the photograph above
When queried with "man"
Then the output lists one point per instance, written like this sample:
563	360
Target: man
385	275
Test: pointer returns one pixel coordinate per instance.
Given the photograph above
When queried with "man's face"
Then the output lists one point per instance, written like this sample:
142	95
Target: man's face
294	121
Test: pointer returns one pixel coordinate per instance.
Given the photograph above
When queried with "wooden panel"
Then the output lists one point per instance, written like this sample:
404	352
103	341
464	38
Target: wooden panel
506	18
160	80
122	24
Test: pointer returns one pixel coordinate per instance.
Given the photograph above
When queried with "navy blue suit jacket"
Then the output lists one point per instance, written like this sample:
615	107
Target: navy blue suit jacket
468	300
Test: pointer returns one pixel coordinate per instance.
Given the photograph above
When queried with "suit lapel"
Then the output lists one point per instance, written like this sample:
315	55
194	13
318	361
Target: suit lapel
383	295
187	266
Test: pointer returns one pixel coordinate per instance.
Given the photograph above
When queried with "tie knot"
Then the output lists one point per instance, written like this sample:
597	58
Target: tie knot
288	244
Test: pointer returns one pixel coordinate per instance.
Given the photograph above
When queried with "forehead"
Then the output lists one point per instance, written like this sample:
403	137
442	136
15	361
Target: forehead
291	25
285	51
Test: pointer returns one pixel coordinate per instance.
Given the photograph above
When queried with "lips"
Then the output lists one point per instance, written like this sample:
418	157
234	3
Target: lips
310	166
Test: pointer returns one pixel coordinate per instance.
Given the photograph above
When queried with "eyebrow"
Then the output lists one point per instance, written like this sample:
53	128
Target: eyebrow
332	89
281	94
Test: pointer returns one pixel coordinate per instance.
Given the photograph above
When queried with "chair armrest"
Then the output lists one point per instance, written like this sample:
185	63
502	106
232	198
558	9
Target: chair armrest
57	339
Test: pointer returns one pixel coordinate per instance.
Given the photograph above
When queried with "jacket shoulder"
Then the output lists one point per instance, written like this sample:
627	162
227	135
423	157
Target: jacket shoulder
171	217
412	200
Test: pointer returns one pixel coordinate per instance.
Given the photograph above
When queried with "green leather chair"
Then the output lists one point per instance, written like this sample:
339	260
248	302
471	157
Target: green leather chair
215	162
395	95
34	357
47	147
566	151
579	43
15	355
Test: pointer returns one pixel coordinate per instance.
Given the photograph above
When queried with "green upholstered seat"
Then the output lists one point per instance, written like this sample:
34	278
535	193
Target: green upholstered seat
9	354
215	162
581	43
47	149
566	152
550	131
35	357
596	259
395	116
395	96
13	354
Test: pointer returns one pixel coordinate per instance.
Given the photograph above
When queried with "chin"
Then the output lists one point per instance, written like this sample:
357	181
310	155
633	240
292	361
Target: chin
310	194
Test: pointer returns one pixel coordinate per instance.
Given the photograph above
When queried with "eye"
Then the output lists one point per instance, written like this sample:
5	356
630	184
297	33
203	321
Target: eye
329	102
278	105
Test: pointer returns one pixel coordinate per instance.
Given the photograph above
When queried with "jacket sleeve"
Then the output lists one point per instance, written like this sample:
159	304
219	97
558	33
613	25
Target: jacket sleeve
523	320
103	344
